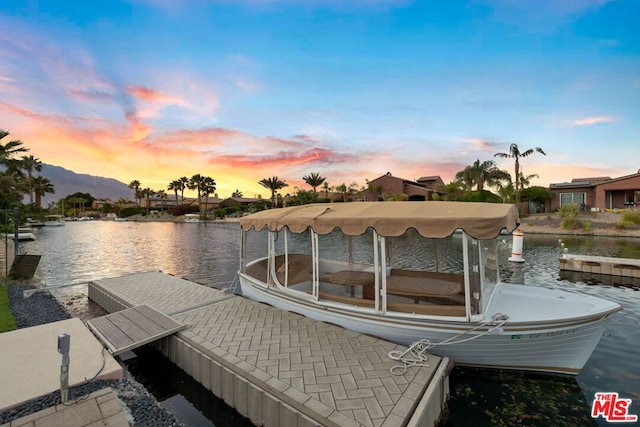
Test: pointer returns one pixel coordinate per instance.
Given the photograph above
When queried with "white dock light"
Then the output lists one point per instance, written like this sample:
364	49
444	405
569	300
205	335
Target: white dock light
516	249
64	344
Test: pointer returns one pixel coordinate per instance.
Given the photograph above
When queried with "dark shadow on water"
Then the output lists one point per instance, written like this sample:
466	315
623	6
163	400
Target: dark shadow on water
600	279
486	397
180	394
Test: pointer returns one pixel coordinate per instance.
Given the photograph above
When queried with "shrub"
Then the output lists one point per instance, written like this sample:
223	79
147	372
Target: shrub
632	216
624	224
130	210
569	214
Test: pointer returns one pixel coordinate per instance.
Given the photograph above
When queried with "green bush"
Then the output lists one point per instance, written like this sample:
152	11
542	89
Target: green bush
130	210
632	216
624	224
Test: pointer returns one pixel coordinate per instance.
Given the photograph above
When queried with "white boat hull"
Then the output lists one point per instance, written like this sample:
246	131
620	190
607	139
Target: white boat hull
559	347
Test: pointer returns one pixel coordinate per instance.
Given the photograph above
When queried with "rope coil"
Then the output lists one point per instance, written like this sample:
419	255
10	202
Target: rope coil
416	354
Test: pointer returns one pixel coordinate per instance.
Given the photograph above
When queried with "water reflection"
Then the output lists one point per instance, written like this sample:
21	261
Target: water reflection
87	250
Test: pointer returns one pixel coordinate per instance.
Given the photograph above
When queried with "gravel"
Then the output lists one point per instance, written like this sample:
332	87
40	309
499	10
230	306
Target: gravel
41	308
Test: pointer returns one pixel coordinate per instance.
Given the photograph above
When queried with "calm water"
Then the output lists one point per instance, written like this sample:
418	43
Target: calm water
208	253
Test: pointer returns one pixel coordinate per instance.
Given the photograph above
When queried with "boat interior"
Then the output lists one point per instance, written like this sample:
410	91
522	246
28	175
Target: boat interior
408	291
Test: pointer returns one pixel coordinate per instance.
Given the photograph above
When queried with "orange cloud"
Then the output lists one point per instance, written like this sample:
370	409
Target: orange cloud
588	121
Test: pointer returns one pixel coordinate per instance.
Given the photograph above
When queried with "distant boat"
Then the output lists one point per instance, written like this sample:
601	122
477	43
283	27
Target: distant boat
118	219
192	217
26	236
35	223
85	218
53	220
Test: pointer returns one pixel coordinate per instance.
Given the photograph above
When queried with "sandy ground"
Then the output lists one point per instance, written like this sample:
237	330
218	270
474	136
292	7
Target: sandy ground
601	224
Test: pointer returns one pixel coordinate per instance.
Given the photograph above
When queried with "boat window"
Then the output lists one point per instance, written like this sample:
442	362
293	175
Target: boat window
490	271
425	276
336	246
414	252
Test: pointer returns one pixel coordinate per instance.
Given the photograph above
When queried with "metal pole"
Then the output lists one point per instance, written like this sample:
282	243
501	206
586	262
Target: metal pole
15	232
64	344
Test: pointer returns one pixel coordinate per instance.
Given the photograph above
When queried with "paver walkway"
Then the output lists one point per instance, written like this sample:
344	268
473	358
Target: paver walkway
325	371
330	370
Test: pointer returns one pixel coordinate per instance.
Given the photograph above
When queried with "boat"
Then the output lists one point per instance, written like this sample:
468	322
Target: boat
22	236
399	271
192	217
119	219
53	220
35	223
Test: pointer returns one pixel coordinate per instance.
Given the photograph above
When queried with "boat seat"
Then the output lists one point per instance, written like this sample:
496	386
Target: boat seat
427	309
432	309
347	300
300	268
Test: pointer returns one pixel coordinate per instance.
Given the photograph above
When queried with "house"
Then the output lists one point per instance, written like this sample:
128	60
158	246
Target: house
240	201
421	189
598	193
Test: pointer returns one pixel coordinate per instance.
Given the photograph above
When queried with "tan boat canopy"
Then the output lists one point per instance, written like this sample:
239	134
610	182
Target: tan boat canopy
431	219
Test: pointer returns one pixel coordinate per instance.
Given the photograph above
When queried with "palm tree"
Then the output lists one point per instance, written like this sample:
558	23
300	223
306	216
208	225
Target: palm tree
479	174
207	187
194	184
314	180
516	154
30	163
274	184
175	186
374	191
162	195
147	193
10	148
135	186
42	186
183	181
237	194
326	189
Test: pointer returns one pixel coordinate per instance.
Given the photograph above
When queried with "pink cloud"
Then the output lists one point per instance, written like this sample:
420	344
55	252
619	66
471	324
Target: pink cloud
588	121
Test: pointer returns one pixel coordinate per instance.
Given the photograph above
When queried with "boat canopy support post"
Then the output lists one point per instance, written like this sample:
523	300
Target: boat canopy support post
271	261
467	286
383	268
376	269
315	269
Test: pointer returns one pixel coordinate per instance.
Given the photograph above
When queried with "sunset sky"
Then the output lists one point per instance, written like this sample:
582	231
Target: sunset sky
240	90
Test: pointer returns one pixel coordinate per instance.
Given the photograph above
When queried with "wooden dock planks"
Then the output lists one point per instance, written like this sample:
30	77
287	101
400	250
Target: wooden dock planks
132	328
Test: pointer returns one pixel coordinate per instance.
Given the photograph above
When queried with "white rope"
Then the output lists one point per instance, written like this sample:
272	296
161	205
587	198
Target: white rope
416	354
233	287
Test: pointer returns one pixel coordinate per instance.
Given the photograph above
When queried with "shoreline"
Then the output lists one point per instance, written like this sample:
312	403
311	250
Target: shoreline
601	224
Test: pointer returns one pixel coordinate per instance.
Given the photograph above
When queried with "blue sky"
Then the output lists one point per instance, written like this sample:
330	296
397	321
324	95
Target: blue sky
242	90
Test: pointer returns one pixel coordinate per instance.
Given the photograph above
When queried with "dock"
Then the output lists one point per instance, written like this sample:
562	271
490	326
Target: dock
276	367
621	267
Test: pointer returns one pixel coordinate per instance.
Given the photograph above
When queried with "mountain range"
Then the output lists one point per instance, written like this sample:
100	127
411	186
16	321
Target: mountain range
67	182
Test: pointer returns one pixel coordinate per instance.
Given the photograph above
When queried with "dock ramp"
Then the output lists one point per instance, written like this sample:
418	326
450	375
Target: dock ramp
132	328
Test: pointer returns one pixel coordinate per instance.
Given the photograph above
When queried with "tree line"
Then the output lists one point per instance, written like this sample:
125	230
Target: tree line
469	184
18	176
